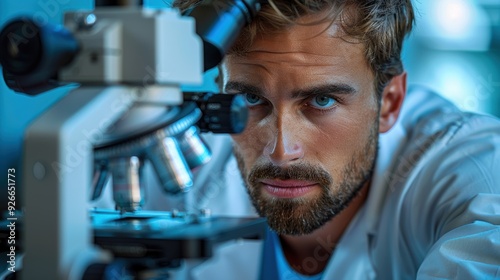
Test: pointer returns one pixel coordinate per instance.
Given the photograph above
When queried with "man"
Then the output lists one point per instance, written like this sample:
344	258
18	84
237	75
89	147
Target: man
322	80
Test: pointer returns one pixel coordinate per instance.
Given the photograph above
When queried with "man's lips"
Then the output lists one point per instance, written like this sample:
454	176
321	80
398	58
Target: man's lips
288	188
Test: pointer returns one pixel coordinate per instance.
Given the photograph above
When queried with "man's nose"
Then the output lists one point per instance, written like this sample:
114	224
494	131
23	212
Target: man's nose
284	145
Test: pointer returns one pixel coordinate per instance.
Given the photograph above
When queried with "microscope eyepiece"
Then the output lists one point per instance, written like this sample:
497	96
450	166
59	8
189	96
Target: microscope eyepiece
221	113
31	54
20	47
218	22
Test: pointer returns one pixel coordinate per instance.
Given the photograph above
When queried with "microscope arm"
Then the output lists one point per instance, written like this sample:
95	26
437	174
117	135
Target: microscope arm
58	172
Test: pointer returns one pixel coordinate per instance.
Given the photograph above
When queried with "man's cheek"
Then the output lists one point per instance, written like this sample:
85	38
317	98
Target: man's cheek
247	147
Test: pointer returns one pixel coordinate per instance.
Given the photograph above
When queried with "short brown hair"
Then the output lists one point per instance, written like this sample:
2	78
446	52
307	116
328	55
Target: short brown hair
380	25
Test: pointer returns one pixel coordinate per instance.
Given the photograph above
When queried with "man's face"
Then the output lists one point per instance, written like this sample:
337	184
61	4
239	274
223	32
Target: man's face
311	139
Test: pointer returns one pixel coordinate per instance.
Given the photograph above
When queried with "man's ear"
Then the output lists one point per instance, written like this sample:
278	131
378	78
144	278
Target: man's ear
392	100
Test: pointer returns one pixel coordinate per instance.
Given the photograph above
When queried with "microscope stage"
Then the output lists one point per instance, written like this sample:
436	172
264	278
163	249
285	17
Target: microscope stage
167	236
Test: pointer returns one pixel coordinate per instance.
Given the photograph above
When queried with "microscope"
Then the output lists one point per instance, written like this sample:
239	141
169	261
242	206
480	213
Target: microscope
129	109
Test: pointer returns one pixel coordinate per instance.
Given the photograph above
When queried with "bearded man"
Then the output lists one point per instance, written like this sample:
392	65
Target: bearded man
357	178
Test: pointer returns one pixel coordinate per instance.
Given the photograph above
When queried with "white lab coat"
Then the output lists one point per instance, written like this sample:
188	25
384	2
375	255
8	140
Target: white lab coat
433	211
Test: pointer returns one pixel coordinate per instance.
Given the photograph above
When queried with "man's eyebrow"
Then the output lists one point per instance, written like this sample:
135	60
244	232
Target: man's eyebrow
338	88
242	88
324	89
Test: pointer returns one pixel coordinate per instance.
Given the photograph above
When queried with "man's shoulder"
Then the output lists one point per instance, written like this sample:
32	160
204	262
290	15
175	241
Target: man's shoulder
444	150
427	113
442	185
431	122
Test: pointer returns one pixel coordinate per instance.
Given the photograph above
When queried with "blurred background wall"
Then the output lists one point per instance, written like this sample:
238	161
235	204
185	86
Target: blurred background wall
454	49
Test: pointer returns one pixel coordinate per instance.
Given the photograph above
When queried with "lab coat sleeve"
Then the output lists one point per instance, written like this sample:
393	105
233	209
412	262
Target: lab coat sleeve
462	210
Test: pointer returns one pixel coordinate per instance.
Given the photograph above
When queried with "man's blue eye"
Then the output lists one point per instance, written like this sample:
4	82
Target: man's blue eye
252	99
322	101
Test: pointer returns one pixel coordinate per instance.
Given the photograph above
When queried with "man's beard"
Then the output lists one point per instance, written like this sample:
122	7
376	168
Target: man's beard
299	216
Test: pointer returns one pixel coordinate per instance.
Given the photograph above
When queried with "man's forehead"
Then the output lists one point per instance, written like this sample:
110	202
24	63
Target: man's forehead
313	35
300	50
296	35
